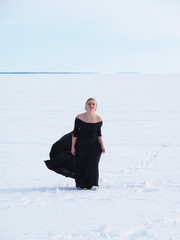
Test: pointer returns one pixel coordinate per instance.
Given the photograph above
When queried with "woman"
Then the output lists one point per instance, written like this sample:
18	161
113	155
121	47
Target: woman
81	162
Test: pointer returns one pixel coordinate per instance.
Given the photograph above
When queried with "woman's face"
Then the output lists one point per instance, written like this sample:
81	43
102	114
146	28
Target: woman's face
91	105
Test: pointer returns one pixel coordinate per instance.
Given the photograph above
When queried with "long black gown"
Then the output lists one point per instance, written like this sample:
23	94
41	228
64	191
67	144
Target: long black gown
84	166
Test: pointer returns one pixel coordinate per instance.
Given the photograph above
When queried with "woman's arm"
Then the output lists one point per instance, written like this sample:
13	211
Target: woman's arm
74	137
73	150
102	145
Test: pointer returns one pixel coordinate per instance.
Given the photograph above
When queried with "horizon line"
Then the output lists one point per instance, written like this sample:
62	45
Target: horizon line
48	72
66	72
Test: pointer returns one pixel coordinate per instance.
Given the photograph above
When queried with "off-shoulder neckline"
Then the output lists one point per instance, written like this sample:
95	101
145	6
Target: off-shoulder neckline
87	122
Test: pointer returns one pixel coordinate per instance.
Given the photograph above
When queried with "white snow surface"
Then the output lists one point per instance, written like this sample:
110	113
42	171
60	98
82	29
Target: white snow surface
139	193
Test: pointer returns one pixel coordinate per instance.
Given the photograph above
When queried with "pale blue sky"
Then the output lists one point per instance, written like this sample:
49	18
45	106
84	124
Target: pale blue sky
84	35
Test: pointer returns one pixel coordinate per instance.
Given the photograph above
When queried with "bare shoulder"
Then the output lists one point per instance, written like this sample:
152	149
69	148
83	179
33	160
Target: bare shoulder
98	118
81	116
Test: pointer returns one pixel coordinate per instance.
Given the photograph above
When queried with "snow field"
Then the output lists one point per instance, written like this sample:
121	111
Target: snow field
139	194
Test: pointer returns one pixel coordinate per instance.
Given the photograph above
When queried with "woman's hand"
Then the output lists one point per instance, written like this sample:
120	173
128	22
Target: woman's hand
103	149
73	151
101	143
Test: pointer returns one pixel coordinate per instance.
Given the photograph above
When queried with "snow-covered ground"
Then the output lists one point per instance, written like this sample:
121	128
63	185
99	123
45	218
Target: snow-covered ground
139	194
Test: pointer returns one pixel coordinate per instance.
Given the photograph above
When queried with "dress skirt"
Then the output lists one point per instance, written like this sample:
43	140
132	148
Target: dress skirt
61	160
88	152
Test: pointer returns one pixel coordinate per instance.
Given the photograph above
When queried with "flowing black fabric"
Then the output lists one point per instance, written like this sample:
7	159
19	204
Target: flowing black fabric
61	160
83	167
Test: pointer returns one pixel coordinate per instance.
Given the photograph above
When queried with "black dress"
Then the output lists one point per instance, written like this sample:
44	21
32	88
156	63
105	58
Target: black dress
83	167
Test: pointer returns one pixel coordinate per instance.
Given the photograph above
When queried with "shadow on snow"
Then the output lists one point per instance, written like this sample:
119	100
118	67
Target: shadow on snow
33	189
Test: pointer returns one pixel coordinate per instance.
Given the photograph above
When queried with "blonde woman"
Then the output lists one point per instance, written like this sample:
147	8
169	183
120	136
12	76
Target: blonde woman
77	154
87	146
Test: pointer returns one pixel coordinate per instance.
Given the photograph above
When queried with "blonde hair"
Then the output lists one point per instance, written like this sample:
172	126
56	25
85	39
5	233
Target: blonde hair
91	99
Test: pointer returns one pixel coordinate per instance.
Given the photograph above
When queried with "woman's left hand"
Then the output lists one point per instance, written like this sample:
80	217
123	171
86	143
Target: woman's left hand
103	149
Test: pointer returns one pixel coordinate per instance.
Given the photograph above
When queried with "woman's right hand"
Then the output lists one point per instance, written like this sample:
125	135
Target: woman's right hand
73	151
